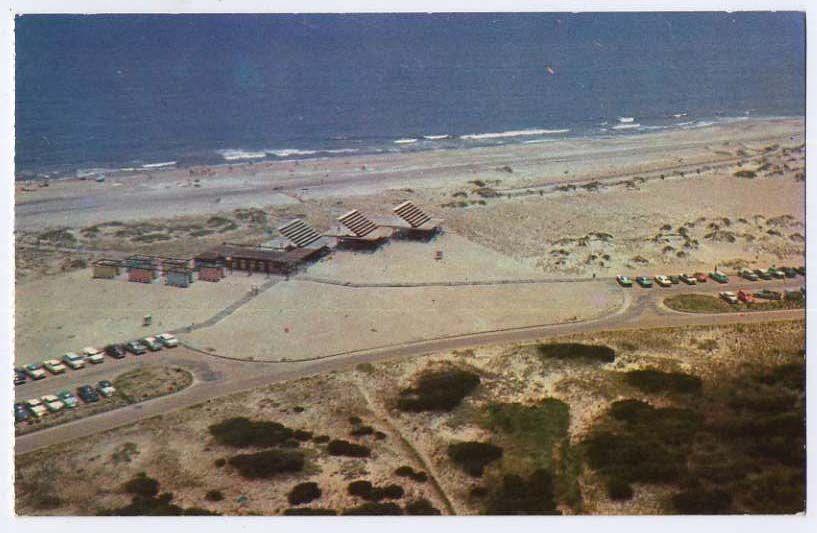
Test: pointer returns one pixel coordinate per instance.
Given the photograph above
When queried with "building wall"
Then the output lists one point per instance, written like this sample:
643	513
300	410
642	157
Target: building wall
178	279
210	273
105	271
140	275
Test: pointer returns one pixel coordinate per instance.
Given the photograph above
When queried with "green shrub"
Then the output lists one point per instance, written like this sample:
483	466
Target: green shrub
367	491
534	429
142	485
702	502
348	449
214	496
421	507
791	376
374	509
221	461
440	390
304	493
409	472
618	489
519	496
572	351
745	174
267	463
241	432
302	435
473	457
309	511
320	439
361	431
651	380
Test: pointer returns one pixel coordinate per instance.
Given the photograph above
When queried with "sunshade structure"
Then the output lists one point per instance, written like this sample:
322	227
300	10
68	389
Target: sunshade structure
300	233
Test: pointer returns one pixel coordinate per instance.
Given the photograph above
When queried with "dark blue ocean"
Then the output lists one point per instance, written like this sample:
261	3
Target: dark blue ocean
127	91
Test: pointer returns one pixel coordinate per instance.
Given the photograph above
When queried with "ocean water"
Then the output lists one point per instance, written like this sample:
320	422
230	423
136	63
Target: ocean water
133	91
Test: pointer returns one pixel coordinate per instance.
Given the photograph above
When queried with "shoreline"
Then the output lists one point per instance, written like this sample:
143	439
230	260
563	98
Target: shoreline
231	157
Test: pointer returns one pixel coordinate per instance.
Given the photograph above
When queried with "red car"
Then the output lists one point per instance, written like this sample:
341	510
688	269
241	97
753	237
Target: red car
700	277
745	297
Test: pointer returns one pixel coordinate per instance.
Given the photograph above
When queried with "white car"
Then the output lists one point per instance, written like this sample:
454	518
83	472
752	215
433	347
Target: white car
74	360
54	366
93	355
663	281
168	340
106	388
36	408
729	296
52	403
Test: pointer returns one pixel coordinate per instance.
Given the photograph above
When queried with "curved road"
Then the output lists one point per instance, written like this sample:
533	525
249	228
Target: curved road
219	376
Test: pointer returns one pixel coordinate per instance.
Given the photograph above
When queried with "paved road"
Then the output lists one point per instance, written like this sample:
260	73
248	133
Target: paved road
216	376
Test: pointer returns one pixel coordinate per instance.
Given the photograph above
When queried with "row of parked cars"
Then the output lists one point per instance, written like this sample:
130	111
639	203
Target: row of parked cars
91	355
720	277
36	408
763	294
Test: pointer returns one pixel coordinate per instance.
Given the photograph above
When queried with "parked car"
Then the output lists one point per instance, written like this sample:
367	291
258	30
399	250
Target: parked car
624	281
789	272
800	270
675	279
689	279
719	276
115	350
74	360
700	277
52	403
87	394
729	296
93	355
776	273
36	408
54	366
663	281
35	371
644	281
20	376
151	343
135	347
20	412
762	274
748	275
745	297
767	294
794	295
168	340
105	388
69	400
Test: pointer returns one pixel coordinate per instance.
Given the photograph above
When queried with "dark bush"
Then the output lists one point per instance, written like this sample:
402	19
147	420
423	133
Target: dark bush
367	491
142	485
651	380
360	431
631	410
214	496
198	511
618	489
309	511
439	390
409	472
360	488
153	506
379	435
290	443
701	501
267	463
355	420
242	432
374	509
633	458
320	439
421	507
221	461
791	376
302	435
304	493
518	496
586	352
474	456
348	449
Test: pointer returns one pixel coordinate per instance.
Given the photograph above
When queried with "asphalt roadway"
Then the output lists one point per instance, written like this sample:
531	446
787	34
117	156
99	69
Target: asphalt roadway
216	376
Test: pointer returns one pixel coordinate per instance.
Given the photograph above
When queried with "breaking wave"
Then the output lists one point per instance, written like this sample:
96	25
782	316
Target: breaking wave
512	133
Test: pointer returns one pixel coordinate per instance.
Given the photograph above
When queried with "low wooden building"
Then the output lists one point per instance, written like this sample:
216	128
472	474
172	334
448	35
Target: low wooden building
360	233
211	273
179	276
256	259
106	268
141	268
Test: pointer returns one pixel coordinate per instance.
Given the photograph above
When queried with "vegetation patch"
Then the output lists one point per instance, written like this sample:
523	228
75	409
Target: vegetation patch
409	472
241	432
268	463
146	501
146	383
304	493
651	380
374	509
421	507
517	495
474	456
438	390
575	351
530	431
309	511
364	489
704	303
348	449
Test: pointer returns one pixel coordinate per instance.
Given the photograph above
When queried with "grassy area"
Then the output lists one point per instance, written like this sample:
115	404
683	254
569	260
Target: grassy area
705	303
575	351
